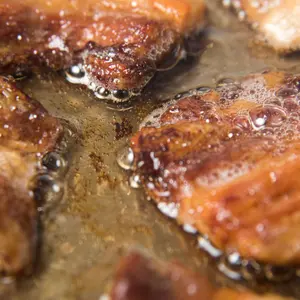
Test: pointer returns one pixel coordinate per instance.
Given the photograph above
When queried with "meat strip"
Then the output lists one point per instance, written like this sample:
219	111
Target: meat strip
26	133
113	47
225	162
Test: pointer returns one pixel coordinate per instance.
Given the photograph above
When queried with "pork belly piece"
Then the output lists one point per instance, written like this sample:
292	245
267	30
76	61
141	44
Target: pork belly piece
26	132
112	47
226	161
141	278
277	20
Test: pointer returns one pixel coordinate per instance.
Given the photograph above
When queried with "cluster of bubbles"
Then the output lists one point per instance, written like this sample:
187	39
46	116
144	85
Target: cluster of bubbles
277	113
48	184
76	74
265	112
238	268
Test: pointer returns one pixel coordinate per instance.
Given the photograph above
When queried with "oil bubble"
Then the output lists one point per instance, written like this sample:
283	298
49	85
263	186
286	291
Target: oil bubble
170	210
53	161
102	93
267	116
135	181
225	82
121	95
189	229
251	270
75	74
205	244
203	90
228	272
286	92
48	191
173	59
125	158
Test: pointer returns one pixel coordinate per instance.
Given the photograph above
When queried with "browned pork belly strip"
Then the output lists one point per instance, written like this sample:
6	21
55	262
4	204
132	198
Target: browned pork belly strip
113	47
141	278
277	20
26	132
228	161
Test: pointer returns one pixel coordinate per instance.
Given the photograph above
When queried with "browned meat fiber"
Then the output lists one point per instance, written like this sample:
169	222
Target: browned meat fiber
112	47
26	132
141	278
228	160
277	21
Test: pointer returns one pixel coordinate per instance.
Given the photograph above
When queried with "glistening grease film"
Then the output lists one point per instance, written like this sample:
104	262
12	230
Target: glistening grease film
101	217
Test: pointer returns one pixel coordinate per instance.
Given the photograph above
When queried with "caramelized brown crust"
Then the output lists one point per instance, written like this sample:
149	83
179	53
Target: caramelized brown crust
27	131
24	124
277	20
117	45
142	278
229	158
